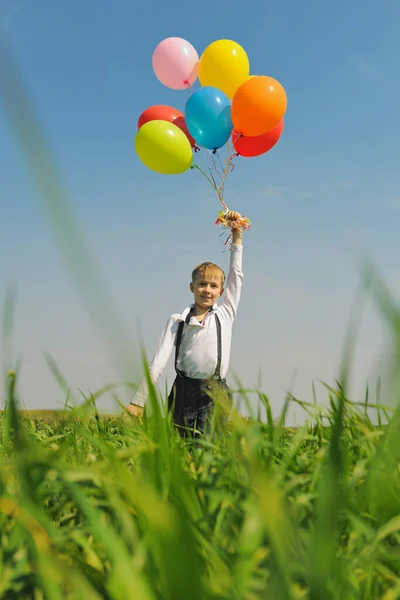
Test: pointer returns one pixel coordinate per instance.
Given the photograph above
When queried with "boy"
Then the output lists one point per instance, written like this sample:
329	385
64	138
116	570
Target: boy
202	337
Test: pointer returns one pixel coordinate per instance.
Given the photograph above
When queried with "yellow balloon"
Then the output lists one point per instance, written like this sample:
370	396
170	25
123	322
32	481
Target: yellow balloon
163	148
224	65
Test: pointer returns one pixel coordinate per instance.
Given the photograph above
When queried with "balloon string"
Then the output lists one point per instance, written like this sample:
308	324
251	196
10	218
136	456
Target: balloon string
230	160
214	165
213	184
213	180
205	174
220	189
219	169
237	136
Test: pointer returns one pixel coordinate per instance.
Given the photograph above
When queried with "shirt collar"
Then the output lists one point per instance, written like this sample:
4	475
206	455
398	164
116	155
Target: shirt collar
193	320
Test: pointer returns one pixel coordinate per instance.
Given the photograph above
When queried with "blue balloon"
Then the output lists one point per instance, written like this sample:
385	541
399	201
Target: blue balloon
208	117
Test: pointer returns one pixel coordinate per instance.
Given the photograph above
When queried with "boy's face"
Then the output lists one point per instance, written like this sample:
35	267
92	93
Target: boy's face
206	289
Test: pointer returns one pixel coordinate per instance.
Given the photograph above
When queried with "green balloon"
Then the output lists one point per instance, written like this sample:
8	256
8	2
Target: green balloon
163	148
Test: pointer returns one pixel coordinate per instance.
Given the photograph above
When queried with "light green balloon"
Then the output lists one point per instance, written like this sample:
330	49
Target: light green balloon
163	148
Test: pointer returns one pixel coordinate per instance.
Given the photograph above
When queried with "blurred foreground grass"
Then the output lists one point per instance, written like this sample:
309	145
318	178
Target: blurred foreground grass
110	508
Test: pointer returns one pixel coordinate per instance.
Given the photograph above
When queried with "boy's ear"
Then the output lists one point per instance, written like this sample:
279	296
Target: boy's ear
191	287
221	292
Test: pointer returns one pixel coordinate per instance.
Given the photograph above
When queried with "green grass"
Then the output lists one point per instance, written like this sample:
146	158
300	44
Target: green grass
110	508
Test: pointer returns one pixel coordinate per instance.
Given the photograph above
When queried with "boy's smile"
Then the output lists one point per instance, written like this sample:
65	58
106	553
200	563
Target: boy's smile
206	291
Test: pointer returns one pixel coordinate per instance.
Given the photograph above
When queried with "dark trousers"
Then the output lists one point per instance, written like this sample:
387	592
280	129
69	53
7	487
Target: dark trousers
192	402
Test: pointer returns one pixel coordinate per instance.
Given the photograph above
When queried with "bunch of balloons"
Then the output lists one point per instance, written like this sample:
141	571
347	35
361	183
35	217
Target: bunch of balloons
231	105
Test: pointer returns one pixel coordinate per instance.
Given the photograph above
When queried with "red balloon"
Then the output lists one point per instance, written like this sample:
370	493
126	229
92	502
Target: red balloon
180	122
250	146
161	112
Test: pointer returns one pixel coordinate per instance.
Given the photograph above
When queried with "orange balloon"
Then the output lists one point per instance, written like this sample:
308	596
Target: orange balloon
258	105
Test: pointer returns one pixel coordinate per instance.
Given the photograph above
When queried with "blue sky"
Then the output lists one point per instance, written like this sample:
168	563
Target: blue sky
326	195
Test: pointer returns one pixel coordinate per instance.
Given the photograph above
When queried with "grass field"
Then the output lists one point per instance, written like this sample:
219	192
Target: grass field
110	508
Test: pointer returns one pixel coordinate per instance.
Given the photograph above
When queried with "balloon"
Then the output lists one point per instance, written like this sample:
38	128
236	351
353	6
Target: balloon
224	65
208	117
260	144
163	148
258	105
159	112
175	63
181	123
162	112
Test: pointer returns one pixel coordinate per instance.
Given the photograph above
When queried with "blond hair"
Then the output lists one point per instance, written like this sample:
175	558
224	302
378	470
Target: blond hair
208	269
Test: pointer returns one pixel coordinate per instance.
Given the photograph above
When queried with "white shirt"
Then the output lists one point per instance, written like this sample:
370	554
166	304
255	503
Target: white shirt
198	352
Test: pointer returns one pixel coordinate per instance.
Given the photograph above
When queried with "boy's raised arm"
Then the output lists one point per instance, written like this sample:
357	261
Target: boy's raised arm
235	277
237	237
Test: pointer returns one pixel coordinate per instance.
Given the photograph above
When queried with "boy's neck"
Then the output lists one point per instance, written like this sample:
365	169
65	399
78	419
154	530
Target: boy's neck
199	313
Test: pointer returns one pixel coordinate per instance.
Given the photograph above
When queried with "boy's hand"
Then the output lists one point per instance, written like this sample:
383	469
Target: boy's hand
237	236
135	410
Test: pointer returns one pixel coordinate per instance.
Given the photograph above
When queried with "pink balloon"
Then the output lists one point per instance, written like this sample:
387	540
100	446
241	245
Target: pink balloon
175	63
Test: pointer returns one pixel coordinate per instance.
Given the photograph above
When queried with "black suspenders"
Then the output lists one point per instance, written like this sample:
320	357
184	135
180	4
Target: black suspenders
179	333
